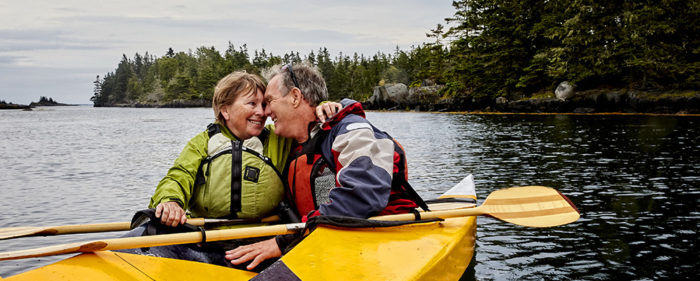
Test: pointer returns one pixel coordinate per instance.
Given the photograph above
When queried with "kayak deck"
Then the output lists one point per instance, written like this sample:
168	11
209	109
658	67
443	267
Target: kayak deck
428	251
108	266
421	251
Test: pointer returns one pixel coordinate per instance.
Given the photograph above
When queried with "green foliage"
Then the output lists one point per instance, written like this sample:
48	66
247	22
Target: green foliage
487	49
503	47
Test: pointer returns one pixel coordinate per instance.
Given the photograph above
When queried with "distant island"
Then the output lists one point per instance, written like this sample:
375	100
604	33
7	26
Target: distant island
10	105
43	101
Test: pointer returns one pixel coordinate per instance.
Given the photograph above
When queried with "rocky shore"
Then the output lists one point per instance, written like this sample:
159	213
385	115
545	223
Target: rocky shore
4	105
43	101
427	98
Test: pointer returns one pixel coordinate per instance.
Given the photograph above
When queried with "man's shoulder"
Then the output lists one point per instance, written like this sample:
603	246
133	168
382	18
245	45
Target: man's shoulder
353	118
351	122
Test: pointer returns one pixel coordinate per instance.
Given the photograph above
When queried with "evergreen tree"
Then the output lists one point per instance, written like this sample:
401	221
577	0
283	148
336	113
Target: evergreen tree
122	75
487	49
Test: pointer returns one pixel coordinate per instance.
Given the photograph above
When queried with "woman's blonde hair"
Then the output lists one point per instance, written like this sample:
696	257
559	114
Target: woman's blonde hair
232	86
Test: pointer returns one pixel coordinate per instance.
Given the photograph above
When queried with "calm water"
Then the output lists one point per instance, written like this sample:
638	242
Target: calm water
636	180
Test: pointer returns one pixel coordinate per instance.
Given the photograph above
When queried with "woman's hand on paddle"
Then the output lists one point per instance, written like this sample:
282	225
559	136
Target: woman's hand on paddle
171	214
327	110
257	252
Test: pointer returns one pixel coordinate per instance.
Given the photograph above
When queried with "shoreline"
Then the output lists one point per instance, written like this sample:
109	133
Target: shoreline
591	102
11	106
574	113
586	102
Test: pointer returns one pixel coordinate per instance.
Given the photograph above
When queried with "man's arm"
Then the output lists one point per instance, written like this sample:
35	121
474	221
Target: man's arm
364	161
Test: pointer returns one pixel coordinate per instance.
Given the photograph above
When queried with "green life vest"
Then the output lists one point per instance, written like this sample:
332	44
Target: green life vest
236	180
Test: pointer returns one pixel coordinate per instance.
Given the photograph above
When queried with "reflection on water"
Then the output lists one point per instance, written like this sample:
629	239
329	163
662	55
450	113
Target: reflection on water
634	178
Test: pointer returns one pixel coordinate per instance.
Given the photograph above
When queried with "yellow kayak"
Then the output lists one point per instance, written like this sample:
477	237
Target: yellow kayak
421	251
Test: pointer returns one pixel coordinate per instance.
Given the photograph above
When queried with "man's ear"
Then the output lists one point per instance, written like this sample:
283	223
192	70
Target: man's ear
296	97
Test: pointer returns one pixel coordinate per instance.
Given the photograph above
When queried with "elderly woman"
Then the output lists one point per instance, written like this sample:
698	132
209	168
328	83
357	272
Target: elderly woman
230	170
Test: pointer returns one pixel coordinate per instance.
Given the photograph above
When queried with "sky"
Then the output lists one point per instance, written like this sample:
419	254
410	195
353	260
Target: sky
56	48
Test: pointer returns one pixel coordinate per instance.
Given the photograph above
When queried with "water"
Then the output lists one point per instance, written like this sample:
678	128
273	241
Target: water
635	179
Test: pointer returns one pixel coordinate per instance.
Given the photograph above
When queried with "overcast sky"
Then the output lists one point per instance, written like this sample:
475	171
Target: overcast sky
55	48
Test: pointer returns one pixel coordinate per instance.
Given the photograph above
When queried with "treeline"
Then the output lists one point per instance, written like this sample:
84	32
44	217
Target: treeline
43	99
515	48
192	75
487	49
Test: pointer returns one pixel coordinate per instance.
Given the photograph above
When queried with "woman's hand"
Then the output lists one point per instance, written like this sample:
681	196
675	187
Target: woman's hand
171	214
257	252
327	110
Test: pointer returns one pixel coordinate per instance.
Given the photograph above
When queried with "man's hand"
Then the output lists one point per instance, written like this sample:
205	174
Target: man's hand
171	214
257	252
327	110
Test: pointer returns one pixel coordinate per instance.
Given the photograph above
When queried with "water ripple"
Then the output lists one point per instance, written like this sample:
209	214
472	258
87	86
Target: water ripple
635	179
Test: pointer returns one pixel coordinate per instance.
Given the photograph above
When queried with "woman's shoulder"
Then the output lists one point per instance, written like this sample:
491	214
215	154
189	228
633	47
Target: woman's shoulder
200	140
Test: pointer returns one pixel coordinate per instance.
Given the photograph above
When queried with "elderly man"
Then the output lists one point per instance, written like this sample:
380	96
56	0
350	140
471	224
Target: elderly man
344	166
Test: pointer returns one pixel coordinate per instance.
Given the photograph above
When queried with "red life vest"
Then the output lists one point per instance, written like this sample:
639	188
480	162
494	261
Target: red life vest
310	180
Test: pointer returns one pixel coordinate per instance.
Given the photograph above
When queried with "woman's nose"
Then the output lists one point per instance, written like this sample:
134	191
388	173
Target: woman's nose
260	110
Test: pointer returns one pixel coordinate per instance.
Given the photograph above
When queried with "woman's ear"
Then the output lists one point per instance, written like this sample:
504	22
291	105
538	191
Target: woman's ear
224	112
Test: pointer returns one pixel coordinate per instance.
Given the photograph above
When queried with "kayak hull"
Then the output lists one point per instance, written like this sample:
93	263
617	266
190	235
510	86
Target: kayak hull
427	251
421	251
114	266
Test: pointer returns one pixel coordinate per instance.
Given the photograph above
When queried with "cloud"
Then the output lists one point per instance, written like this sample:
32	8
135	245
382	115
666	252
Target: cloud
9	60
27	40
23	85
66	43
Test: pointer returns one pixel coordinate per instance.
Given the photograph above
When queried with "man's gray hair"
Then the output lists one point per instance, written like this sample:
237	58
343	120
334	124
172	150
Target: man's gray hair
311	82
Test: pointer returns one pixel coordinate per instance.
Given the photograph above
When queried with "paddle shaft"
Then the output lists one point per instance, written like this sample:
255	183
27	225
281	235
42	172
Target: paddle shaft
444	214
15	232
535	206
153	241
196	237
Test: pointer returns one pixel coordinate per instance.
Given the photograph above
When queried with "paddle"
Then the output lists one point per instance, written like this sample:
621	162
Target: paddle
535	206
15	232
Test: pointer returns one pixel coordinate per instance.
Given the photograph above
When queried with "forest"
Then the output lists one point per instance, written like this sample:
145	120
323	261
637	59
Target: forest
487	49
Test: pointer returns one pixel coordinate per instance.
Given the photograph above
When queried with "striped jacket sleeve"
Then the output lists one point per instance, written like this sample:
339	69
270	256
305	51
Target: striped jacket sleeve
363	160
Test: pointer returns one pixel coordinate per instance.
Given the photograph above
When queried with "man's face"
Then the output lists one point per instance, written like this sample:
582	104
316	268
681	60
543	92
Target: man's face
279	108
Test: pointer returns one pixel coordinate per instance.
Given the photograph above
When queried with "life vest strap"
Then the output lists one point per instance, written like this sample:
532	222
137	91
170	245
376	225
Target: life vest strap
236	178
416	214
213	129
236	152
400	180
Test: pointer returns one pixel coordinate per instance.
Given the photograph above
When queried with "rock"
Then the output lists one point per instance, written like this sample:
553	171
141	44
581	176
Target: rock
427	83
501	100
564	91
389	95
397	93
379	97
423	95
4	105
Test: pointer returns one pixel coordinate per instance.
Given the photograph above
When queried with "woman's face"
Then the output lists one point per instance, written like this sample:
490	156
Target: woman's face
245	117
